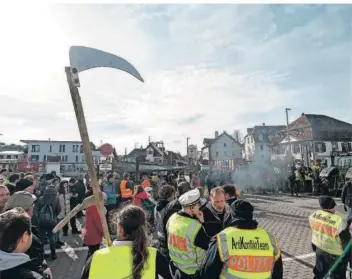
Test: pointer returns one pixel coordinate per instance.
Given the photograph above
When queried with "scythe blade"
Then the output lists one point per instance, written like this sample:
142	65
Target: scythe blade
83	58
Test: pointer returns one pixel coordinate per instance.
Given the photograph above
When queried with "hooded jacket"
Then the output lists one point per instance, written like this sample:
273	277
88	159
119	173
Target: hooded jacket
16	266
159	214
49	197
212	223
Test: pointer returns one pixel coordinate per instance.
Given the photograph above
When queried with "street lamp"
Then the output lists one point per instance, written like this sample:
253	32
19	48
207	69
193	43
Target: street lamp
288	134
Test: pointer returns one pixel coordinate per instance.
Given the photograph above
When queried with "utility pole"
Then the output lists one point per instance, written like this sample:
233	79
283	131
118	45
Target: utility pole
149	139
125	154
187	145
288	134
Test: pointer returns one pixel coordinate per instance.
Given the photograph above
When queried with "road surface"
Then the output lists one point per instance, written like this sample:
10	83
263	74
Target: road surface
284	216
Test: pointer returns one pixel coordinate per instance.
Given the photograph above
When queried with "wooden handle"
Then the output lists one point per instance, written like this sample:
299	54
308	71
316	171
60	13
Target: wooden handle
67	218
77	105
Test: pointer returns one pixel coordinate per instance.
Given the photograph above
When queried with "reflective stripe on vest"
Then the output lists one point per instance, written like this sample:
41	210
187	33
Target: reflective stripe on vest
247	254
116	263
182	232
125	192
326	228
145	183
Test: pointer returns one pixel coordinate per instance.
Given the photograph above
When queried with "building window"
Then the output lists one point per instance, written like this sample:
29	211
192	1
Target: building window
81	149
35	148
75	148
35	158
217	154
320	147
345	146
296	149
84	158
50	148
225	153
76	158
224	144
66	158
261	147
44	159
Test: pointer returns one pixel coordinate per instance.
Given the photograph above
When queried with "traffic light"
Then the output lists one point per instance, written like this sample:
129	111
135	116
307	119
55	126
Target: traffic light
75	78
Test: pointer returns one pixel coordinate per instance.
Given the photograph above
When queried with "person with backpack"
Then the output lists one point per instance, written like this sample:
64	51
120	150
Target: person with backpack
48	208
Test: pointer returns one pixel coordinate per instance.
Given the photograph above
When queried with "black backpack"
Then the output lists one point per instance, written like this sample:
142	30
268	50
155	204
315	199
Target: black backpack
46	216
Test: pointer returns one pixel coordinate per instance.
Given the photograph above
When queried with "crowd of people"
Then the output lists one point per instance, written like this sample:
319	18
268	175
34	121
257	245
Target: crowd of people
158	230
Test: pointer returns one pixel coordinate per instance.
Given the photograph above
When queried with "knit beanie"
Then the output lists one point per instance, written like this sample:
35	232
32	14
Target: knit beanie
242	209
327	202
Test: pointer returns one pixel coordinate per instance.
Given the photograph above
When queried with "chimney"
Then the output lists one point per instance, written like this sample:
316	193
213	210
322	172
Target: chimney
302	114
216	134
263	124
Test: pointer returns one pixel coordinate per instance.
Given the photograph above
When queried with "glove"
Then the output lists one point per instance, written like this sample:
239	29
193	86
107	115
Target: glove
47	273
344	207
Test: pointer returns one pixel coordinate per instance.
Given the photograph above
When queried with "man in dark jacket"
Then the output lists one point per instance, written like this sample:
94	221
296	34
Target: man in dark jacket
209	181
166	195
81	191
50	197
73	203
230	194
242	229
217	213
347	198
15	240
11	185
26	200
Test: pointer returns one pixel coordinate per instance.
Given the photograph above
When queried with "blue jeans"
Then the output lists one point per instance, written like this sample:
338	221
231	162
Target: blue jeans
43	232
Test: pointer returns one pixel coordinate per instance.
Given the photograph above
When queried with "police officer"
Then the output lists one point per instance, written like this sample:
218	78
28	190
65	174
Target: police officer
329	239
243	250
187	240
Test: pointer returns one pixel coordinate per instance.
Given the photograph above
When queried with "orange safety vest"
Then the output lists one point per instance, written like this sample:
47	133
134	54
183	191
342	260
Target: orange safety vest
145	183
125	192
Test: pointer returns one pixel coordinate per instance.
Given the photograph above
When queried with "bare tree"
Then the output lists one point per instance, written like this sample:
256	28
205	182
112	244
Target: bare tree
237	135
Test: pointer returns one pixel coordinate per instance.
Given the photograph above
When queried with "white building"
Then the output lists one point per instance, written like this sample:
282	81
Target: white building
313	137
257	144
222	152
10	159
70	154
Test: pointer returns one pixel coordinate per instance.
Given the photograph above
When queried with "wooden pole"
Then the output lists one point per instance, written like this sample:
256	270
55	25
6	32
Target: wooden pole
78	107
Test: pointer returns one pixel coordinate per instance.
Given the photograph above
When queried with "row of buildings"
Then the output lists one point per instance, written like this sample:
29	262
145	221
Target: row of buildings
309	138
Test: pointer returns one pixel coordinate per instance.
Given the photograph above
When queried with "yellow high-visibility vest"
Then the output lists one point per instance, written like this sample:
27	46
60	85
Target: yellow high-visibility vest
116	263
248	254
326	228
181	234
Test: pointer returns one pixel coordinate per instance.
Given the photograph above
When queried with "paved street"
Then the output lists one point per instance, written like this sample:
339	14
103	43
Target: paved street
284	216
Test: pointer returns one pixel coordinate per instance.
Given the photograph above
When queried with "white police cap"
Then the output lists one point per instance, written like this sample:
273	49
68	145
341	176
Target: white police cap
190	198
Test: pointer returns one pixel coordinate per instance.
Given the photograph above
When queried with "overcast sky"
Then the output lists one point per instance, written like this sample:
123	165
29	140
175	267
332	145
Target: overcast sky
206	68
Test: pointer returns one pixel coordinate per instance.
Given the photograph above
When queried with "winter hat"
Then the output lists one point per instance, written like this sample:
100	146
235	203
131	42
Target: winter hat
21	199
49	176
242	209
327	202
23	184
